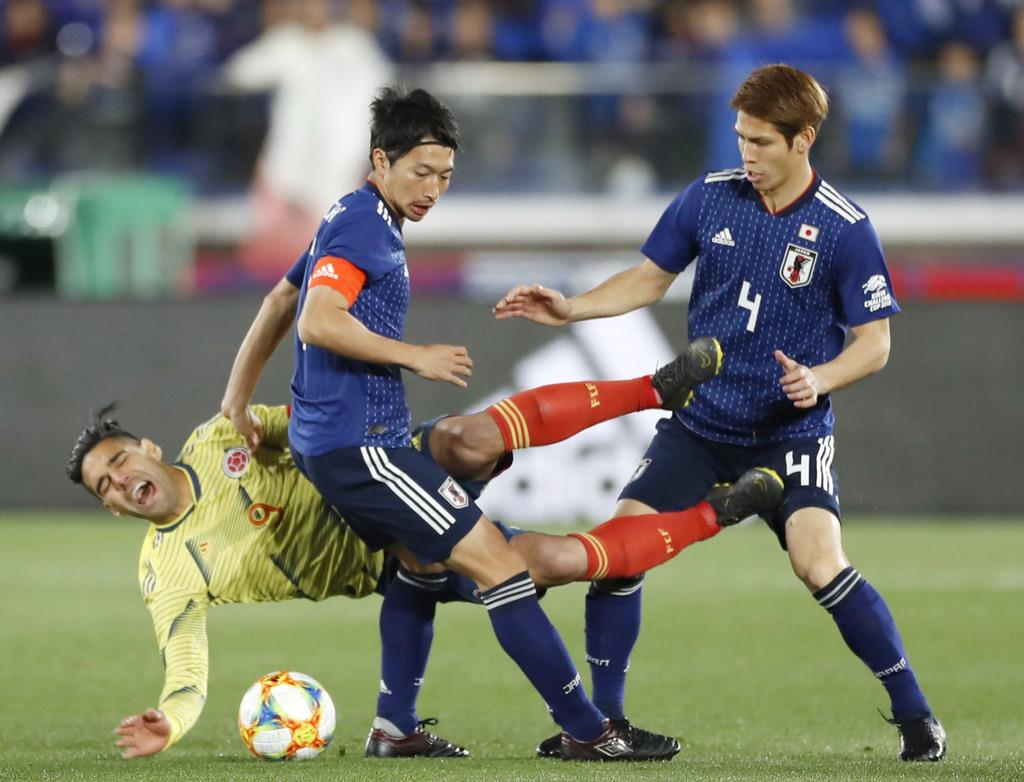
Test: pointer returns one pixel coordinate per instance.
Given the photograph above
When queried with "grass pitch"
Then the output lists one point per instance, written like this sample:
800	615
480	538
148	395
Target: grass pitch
735	658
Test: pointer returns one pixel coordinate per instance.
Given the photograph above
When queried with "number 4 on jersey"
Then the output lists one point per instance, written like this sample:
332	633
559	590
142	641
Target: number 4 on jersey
751	304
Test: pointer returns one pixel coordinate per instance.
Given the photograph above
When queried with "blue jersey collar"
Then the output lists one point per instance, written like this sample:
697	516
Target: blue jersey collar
371	188
792	206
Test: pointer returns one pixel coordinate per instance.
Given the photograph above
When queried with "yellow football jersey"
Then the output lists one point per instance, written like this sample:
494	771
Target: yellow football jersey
256	531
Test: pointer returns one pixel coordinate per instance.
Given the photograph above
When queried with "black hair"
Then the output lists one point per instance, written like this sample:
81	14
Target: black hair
400	121
100	428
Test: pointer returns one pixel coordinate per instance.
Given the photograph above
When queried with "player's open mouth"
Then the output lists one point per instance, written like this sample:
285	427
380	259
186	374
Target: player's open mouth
420	210
143	493
753	176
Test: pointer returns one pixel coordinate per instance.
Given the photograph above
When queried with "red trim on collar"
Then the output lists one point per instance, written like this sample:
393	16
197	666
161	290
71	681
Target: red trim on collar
795	201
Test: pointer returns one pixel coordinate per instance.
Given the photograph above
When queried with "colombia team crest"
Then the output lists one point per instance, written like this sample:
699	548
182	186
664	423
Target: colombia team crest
235	462
797	266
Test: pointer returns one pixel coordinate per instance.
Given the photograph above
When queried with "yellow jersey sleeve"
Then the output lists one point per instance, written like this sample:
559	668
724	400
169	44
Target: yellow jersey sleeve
178	610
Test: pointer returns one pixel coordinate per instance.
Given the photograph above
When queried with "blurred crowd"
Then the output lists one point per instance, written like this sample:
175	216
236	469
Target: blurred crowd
927	93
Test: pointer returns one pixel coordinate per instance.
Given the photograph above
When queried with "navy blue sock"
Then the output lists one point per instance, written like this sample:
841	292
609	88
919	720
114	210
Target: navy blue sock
612	627
526	635
868	628
406	632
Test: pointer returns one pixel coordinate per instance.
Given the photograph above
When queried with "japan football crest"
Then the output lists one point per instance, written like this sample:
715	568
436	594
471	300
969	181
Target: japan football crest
454	493
797	266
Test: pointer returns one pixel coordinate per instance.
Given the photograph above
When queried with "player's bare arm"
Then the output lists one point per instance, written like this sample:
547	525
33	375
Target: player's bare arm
866	354
272	322
326	323
143	734
624	292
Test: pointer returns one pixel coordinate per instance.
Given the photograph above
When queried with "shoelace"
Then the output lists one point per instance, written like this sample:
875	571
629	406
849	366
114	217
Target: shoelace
421	728
436	741
638	735
906	720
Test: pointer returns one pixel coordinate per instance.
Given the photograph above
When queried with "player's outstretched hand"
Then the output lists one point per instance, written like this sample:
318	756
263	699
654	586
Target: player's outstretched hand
799	382
143	734
447	363
247	424
534	302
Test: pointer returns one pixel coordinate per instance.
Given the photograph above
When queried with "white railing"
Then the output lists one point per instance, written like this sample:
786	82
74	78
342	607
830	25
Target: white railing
568	221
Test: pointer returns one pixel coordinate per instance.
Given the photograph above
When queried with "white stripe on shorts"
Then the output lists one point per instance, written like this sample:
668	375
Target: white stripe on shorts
826	452
406	489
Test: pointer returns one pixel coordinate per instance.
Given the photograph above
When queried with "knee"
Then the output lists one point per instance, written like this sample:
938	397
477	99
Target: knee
486	557
463	437
815	547
561	562
816	571
411	562
418	568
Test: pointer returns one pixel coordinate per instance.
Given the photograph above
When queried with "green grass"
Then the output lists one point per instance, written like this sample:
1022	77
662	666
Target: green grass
735	658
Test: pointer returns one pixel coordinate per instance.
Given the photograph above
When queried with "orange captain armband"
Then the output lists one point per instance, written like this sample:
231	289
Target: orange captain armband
340	275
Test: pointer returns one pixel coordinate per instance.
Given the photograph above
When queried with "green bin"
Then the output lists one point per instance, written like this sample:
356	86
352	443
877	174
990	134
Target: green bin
126	235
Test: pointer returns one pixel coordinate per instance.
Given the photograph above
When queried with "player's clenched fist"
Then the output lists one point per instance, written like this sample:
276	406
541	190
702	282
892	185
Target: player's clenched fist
248	425
534	302
447	363
143	734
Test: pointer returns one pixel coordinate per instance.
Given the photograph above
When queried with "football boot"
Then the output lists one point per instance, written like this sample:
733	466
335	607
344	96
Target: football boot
921	737
418	744
675	381
758	491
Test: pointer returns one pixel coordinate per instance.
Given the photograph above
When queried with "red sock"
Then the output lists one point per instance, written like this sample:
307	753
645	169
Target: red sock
550	414
629	545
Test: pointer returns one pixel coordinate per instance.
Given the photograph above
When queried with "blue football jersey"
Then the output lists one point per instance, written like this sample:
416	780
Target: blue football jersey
339	402
795	280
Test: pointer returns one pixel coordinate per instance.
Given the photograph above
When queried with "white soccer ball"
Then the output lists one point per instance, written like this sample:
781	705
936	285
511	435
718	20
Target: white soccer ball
286	716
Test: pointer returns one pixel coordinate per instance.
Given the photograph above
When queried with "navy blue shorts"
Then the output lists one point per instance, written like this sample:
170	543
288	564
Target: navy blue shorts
680	467
390	495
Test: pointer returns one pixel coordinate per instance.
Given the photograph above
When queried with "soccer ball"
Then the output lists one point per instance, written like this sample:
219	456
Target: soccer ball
286	716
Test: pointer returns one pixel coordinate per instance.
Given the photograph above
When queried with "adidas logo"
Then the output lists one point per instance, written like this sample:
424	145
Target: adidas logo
723	237
327	270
